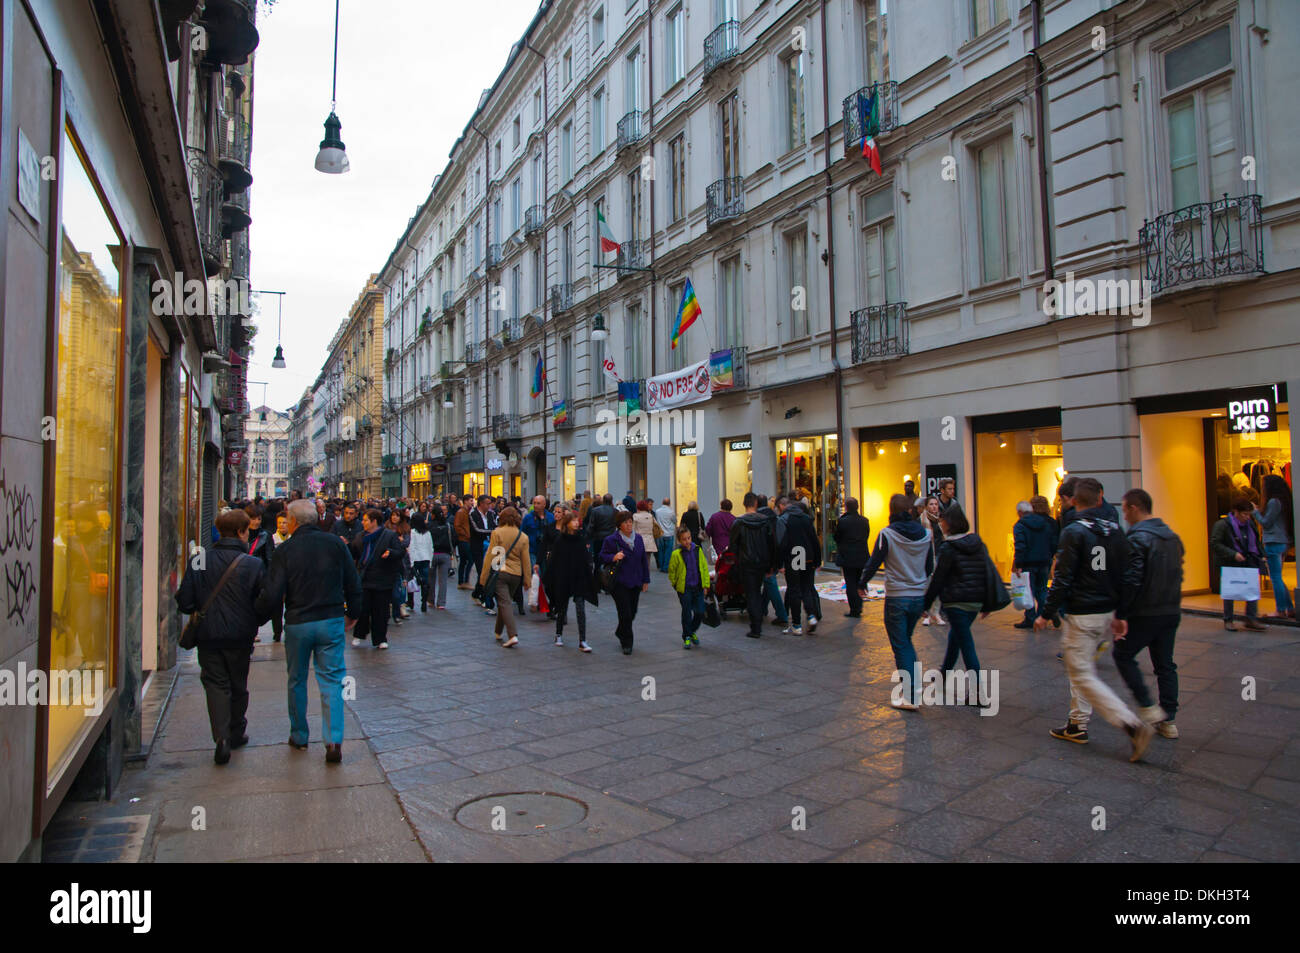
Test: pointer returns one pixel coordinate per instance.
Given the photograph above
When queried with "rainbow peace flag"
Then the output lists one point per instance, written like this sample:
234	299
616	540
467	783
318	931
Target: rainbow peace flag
686	313
560	412
539	375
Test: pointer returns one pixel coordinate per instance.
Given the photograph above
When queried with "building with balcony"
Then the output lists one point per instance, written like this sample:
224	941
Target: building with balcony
974	310
270	437
351	387
147	399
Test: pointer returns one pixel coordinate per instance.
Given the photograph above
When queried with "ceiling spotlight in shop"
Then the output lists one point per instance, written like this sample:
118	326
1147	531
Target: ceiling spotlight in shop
1002	441
902	447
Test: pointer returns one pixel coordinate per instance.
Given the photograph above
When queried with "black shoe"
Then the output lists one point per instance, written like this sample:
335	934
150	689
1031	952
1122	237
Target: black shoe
853	615
627	650
1071	732
222	754
754	635
238	742
333	754
1023	625
297	747
276	639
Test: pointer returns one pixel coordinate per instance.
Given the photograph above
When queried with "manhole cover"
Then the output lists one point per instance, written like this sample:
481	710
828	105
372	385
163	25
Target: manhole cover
524	812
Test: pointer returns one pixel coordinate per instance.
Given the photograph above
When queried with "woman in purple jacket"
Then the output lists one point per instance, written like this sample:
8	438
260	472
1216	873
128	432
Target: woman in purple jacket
625	548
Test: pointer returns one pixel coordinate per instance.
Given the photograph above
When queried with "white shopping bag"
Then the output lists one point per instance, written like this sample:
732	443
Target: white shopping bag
1022	591
534	587
1239	584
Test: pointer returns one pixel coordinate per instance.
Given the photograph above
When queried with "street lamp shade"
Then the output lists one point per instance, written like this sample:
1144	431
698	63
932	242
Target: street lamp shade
448	403
598	332
333	157
278	360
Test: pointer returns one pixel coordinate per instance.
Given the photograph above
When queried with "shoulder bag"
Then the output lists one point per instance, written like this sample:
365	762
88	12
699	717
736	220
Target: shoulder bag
190	636
490	586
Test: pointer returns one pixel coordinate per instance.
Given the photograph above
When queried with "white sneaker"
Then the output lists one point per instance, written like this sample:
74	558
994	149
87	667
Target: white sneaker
356	642
812	624
786	630
797	630
510	643
584	647
925	620
383	645
489	611
559	642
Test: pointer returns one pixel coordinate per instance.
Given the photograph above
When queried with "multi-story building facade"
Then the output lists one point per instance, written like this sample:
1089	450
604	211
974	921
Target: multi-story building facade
351	385
302	462
126	205
877	327
270	440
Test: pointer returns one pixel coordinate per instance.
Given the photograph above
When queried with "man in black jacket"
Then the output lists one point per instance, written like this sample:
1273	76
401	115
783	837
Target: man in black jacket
753	540
348	526
315	580
1089	566
800	554
379	562
600	524
1035	541
228	628
851	533
1149	610
482	520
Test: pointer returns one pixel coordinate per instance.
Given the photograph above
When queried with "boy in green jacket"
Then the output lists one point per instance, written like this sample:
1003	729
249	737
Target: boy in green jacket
688	571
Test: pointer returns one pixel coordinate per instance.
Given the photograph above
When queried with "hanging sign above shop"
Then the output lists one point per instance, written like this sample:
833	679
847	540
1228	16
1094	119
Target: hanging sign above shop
419	473
496	464
690	385
1253	410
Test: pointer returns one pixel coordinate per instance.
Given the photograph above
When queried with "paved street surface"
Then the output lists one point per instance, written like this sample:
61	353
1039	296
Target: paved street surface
743	738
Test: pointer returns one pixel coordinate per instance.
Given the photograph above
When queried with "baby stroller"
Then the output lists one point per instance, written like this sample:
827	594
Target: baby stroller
728	586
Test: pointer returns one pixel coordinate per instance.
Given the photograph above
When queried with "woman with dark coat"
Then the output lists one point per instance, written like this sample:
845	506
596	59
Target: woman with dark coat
625	549
960	580
569	576
693	520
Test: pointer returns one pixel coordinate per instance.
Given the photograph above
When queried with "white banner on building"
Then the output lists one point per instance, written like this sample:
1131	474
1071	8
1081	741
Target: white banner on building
690	385
607	365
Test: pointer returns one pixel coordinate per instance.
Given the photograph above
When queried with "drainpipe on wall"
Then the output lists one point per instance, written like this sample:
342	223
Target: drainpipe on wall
830	260
1040	141
546	177
650	103
487	302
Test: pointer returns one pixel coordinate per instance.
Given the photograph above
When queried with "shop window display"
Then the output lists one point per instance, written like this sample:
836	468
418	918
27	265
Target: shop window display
1011	466
887	465
86	449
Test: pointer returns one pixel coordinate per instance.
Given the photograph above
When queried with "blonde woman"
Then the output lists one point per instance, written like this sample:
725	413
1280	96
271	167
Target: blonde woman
507	556
643	520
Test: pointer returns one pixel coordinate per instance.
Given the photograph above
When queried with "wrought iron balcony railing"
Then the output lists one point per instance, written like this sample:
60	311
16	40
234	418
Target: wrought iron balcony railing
567	422
234	214
725	199
206	189
231	33
534	220
475	351
494	255
721	45
630	130
879	332
426	383
1203	243
511	331
506	427
858	110
449	445
561	298
631	256
232	151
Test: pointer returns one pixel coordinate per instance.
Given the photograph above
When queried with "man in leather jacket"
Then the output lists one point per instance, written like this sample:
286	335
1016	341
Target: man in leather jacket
1092	557
1149	610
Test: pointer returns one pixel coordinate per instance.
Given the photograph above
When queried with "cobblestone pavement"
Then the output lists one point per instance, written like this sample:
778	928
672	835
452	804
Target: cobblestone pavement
745	737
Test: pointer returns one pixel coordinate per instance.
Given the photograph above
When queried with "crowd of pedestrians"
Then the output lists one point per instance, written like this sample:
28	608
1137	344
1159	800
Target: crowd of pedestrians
318	568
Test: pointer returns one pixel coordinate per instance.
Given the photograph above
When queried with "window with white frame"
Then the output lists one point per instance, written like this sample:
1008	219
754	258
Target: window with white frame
1197	101
986	14
496	156
998	199
677	178
879	248
875	41
516	203
796	290
565	382
632	81
731	327
598	121
724	10
729	136
566	253
632	342
633	224
537	279
516	285
674	46
598	377
514	134
598	28
538	184
792	68
676	355
567	67
537	106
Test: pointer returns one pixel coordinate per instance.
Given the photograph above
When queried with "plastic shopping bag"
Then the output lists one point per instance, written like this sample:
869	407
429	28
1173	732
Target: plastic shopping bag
533	588
1239	584
1022	591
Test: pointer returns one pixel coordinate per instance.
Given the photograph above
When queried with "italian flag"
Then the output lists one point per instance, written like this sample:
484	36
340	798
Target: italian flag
871	152
607	243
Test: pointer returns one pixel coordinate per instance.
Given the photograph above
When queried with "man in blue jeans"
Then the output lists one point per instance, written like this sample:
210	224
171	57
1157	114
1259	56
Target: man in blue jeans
314	579
903	549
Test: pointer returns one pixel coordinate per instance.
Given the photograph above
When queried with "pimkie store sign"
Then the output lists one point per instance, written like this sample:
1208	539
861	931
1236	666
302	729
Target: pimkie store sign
690	385
1252	410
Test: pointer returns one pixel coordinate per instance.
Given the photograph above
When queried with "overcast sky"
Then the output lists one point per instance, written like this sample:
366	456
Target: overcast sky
410	74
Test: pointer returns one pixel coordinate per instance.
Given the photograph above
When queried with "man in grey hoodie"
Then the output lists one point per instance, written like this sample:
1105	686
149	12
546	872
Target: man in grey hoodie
903	549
